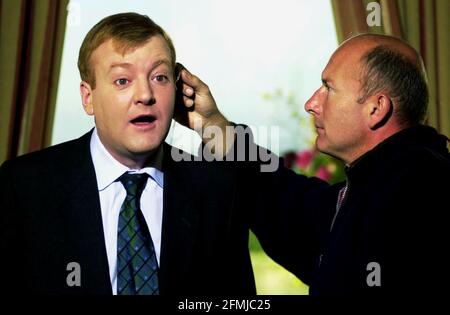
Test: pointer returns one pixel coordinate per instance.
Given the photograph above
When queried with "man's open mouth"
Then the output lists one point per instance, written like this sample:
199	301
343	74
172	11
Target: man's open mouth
143	119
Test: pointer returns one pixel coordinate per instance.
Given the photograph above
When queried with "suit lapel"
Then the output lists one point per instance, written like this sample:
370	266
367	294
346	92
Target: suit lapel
180	220
82	215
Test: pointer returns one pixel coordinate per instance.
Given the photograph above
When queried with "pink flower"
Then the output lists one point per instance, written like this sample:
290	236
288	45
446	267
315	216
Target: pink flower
304	158
323	173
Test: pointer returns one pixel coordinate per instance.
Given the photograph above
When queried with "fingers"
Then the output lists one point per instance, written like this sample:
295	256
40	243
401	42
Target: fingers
188	90
195	95
188	95
188	102
193	82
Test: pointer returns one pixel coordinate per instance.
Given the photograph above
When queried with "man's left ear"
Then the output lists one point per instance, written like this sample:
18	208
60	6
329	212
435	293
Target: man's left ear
380	110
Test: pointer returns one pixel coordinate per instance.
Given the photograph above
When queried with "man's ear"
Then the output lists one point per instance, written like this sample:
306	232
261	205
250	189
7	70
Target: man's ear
86	97
380	110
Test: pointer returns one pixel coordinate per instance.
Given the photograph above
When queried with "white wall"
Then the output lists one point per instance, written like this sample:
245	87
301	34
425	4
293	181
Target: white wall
240	48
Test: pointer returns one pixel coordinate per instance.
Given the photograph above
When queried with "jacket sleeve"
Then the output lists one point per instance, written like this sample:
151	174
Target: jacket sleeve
289	213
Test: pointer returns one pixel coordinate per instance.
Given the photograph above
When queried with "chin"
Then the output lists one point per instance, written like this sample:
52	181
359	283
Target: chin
146	142
144	148
320	146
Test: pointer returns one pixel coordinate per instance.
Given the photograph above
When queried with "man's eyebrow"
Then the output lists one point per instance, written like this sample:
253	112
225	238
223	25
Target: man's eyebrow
120	65
161	62
129	65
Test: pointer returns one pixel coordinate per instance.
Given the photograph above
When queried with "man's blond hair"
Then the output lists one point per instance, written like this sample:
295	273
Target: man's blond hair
128	30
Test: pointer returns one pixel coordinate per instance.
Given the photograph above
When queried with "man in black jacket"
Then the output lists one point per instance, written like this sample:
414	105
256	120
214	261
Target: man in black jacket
389	230
388	227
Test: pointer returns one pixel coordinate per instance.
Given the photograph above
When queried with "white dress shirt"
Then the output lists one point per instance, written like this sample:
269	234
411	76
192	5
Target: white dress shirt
112	194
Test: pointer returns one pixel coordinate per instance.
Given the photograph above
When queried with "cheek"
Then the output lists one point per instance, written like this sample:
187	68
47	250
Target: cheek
120	98
110	109
168	104
346	121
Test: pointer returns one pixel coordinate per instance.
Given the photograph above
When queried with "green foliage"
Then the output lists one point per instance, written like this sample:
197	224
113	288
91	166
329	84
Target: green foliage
313	163
270	277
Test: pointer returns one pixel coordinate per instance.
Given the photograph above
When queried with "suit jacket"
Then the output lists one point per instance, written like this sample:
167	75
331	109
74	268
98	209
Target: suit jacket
50	217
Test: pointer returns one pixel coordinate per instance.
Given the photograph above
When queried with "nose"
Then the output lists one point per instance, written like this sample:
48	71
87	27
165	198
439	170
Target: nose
144	93
314	105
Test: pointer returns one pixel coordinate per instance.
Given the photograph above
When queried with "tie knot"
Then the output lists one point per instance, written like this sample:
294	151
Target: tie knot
133	183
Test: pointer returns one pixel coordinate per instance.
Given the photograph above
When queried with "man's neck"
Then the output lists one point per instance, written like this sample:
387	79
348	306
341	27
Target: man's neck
137	162
375	138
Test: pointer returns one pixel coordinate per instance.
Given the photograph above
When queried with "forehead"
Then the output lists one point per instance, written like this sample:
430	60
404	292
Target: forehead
112	52
344	67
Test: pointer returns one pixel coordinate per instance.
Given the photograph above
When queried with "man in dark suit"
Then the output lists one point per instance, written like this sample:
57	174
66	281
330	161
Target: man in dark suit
116	211
71	218
63	207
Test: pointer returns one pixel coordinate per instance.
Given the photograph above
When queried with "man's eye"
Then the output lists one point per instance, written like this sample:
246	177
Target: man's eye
121	81
161	78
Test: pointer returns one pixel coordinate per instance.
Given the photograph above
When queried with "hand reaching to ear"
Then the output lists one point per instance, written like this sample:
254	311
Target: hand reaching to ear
199	103
201	113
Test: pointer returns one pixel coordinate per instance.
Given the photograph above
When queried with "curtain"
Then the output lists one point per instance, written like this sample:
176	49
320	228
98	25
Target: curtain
422	23
31	41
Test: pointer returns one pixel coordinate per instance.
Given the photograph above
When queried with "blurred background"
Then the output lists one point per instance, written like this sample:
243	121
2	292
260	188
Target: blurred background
261	59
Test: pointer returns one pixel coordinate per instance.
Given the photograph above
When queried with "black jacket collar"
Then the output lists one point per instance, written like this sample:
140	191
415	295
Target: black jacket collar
420	136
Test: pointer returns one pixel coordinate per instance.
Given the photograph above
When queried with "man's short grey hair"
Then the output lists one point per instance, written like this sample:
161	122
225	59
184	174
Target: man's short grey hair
385	69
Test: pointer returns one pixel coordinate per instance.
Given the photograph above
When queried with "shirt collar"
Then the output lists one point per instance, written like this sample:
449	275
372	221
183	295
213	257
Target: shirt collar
108	169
